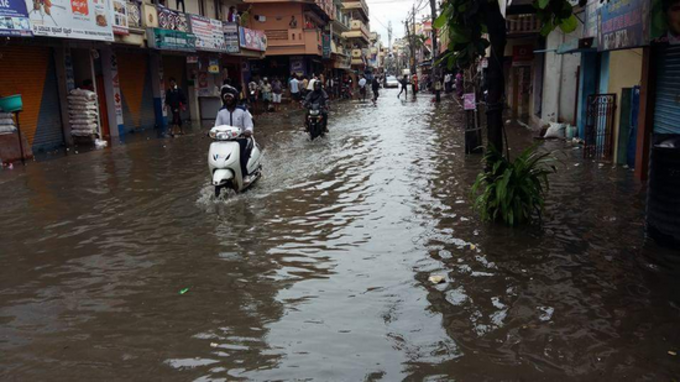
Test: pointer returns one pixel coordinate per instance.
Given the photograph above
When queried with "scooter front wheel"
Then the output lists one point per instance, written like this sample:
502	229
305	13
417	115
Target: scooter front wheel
218	191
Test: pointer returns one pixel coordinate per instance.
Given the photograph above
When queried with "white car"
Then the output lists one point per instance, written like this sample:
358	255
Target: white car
391	82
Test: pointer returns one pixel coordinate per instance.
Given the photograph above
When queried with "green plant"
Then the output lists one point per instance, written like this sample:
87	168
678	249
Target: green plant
512	191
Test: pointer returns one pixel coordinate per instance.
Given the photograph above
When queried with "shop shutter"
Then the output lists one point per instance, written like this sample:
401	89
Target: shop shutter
136	91
30	71
667	108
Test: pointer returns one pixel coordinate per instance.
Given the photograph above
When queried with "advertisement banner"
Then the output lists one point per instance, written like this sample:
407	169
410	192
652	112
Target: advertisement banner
78	19
252	39
117	98
209	34
469	101
623	24
231	39
214	65
172	20
120	17
326	43
14	19
665	21
297	65
164	39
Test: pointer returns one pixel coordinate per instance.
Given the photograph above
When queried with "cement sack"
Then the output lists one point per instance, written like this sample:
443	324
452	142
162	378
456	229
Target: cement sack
6	129
6	115
84	113
79	133
83	107
6	121
556	130
81	103
90	95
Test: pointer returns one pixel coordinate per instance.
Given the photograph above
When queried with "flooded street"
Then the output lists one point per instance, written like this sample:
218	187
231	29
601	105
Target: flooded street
321	271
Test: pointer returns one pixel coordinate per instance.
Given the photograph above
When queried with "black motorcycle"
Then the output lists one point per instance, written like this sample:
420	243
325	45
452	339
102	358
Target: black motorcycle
315	122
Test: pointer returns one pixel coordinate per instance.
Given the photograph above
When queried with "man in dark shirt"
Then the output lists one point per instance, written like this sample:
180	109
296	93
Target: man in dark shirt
175	101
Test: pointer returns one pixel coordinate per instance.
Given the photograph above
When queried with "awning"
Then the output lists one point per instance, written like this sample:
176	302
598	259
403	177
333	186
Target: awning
583	45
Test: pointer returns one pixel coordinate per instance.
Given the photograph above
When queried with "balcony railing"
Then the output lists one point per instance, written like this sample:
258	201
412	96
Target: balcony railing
522	24
356	4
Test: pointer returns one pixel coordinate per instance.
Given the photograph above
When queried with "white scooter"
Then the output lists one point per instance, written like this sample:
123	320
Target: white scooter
224	160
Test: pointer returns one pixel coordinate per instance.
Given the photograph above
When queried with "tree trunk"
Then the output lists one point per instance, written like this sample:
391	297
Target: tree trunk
495	77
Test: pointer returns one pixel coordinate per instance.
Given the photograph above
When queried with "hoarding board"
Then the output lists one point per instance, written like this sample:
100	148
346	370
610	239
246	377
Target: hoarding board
623	24
209	34
77	19
14	19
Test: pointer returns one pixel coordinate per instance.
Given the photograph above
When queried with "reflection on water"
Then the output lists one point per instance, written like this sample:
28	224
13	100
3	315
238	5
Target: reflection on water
321	271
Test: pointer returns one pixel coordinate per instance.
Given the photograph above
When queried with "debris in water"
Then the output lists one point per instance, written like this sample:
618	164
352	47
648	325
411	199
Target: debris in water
183	291
436	279
214	344
673	353
473	247
576	164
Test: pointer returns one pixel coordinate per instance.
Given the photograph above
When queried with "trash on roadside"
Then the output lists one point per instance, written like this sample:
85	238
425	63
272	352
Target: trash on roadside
183	291
436	279
100	144
214	344
673	353
473	247
576	164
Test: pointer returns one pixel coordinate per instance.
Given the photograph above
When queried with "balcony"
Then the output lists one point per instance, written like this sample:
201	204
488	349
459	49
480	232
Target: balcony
522	25
359	5
357	30
293	41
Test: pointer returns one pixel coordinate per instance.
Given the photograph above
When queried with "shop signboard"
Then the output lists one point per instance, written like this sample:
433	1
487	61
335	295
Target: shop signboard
164	39
120	17
77	19
172	20
209	34
134	14
297	65
522	55
117	98
623	24
592	10
469	101
214	65
231	38
14	19
326	42
252	39
665	21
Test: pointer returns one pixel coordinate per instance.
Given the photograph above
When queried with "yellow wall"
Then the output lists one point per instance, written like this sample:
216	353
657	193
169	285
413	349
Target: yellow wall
625	71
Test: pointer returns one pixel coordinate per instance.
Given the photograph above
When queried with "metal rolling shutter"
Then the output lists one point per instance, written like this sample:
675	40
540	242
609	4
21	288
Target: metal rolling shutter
30	71
667	108
136	91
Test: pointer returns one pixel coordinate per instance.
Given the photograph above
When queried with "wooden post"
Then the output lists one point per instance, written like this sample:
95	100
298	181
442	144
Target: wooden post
646	116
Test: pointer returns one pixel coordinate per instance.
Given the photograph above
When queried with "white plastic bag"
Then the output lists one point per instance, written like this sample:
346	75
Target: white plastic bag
556	130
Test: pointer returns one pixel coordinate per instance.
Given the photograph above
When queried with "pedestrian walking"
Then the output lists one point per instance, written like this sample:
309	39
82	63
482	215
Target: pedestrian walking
175	101
414	84
459	85
437	88
375	88
277	91
294	86
448	83
266	90
253	93
404	86
362	88
305	83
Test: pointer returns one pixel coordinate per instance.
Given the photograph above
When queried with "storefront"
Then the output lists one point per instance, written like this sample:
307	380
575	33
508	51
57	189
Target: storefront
33	75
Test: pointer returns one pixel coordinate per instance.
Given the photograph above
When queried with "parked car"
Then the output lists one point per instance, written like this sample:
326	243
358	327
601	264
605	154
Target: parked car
391	82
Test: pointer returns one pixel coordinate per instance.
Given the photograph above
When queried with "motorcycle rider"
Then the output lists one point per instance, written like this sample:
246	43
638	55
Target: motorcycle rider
236	115
318	96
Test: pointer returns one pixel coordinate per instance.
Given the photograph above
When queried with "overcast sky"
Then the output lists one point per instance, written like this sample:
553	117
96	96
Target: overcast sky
383	11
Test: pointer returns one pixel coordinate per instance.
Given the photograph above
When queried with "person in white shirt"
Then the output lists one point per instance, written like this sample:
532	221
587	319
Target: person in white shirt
236	115
448	82
294	85
362	88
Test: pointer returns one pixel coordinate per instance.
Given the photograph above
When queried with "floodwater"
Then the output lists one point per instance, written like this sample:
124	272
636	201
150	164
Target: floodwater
321	271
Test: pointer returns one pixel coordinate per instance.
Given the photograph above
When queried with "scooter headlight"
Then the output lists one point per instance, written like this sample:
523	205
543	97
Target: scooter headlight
313	112
212	134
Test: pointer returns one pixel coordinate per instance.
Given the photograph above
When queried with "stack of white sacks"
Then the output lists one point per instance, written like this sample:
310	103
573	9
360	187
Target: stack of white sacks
7	125
82	108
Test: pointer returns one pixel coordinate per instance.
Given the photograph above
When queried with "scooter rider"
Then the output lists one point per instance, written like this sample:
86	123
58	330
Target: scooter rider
318	96
236	115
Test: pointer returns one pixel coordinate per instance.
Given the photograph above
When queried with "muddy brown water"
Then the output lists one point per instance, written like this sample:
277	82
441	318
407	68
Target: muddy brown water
321	271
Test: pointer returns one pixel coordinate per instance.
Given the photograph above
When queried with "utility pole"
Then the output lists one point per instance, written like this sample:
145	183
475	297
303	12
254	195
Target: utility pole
435	52
413	42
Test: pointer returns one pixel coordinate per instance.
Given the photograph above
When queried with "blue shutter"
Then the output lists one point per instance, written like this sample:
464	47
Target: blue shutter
667	108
